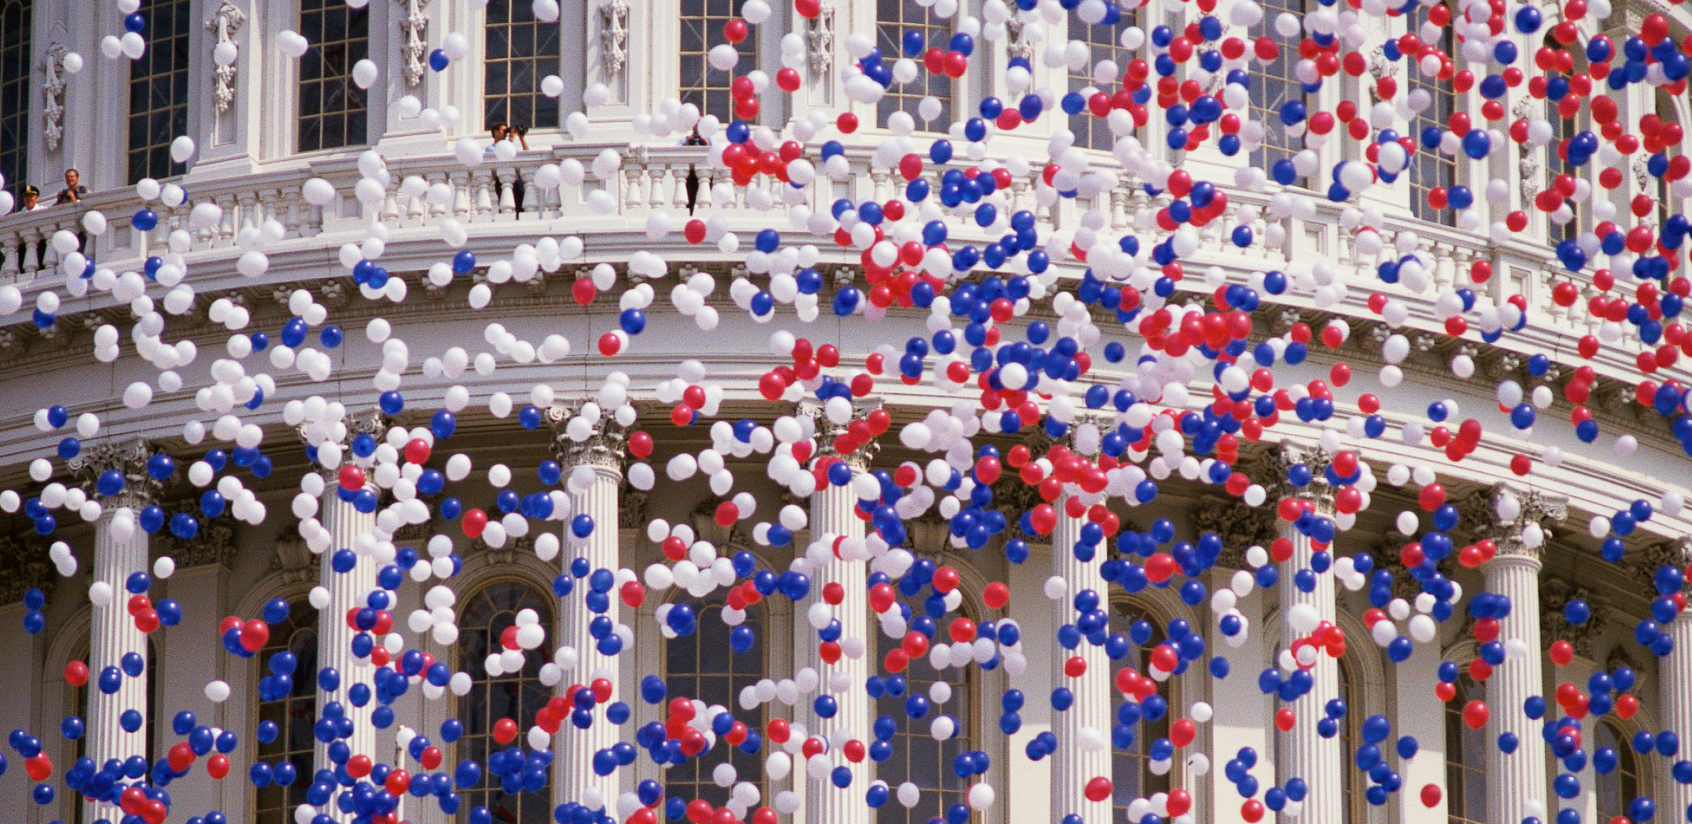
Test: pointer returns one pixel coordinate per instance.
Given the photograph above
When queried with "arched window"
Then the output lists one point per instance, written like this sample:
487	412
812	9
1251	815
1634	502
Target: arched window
76	703
704	666
1429	167
515	695
333	110
293	714
158	91
1617	786
1093	132
894	20
1353	785
1465	757
702	24
1132	733
917	757
1275	85
14	93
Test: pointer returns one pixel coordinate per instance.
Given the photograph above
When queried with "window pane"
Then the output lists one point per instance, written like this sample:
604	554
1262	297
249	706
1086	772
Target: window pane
894	18
520	51
703	666
1132	733
158	92
1465	757
514	695
702	27
293	713
1429	168
14	91
916	756
332	107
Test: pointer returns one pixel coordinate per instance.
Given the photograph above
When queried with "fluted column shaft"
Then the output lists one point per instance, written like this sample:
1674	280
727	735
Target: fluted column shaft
573	775
347	591
832	517
1515	779
1072	767
1303	753
114	635
1675	687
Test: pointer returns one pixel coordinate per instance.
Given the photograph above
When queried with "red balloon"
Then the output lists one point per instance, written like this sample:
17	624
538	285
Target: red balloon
1475	714
1098	789
996	595
475	520
217	766
1285	719
584	291
350	477
76	673
254	635
694	231
1180	801
417	451
39	767
633	593
505	730
1431	795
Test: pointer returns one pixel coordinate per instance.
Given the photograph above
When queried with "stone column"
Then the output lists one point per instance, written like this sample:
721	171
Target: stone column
347	591
113	633
599	453
832	518
1513	523
1302	752
1073	767
1674	683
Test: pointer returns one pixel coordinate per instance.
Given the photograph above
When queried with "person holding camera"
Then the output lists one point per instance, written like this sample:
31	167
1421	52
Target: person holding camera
503	132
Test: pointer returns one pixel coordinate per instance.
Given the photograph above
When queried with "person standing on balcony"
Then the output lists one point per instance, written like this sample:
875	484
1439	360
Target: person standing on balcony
503	132
73	191
31	200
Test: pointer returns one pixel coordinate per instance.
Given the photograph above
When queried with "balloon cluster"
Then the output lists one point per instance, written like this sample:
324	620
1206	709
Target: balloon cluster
1118	342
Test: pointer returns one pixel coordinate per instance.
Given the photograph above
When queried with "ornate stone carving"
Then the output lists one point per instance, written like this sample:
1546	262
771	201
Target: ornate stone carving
1314	458
127	456
53	84
827	430
631	508
1015	44
1534	510
614	36
1642	563
603	446
1554	595
506	552
213	544
1238	525
27	567
1379	65
1528	166
819	40
294	560
414	533
928	533
704	517
414	24
224	23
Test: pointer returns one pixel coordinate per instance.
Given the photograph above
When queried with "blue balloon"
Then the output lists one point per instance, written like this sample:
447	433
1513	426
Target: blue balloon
438	60
145	220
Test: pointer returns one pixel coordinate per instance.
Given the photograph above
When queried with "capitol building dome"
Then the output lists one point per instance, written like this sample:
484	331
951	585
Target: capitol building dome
844	411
